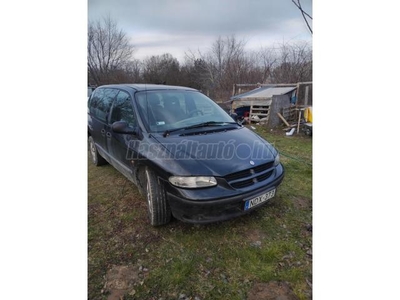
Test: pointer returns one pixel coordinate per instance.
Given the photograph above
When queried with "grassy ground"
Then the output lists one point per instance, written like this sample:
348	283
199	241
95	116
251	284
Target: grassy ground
216	261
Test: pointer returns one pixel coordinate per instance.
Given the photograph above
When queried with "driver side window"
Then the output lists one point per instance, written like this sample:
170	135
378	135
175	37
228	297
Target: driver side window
122	110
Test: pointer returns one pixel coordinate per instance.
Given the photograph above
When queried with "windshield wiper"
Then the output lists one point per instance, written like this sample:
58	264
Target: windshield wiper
210	123
204	124
168	131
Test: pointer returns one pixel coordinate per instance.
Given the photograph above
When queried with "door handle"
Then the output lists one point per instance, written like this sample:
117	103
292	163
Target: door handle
108	134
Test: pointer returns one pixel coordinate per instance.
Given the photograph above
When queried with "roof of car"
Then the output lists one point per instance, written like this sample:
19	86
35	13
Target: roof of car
148	87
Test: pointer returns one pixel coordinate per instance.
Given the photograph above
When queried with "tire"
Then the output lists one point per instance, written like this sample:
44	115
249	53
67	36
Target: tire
159	211
96	158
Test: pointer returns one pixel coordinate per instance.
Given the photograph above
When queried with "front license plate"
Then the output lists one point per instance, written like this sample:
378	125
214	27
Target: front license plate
258	200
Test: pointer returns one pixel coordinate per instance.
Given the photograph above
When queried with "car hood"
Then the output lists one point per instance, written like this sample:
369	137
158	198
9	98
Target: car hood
214	151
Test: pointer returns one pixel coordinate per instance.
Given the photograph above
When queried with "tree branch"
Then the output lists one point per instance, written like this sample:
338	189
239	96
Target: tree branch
303	13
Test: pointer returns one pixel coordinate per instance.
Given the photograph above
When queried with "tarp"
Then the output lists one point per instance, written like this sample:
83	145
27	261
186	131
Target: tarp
261	96
264	93
308	114
251	101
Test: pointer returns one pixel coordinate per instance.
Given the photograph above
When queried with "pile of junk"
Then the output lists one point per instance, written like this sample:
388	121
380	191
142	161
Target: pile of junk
303	123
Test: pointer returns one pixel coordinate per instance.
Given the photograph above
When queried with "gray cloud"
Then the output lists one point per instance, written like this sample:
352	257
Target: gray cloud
180	20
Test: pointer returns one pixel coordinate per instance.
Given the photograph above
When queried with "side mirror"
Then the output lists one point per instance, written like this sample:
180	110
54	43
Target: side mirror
123	127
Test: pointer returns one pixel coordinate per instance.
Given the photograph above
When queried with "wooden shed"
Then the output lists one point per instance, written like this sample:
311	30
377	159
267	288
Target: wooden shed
264	103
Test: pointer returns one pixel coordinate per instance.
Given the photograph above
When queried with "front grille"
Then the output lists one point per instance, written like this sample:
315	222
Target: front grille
250	176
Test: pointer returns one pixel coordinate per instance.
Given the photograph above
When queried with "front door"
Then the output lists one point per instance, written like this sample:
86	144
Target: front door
118	143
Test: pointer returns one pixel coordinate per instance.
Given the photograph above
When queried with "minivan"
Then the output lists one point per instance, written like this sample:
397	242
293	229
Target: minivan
185	154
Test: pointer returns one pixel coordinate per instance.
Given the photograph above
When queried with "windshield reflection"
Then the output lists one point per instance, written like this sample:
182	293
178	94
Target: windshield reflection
164	110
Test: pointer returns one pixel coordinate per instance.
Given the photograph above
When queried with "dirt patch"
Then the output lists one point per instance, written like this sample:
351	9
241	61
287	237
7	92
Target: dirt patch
301	203
255	236
272	290
121	280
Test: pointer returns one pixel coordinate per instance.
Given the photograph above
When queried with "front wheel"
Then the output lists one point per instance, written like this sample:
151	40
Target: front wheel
158	208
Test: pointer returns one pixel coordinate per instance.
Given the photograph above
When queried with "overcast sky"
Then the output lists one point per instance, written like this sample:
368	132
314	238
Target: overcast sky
175	26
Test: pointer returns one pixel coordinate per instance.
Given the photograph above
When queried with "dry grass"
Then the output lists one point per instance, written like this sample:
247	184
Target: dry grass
217	261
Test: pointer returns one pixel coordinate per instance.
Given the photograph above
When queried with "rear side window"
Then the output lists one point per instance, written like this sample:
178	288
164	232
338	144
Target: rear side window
100	103
122	110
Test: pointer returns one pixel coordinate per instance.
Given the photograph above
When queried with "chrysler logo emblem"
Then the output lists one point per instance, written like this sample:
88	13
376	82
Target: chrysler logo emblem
252	163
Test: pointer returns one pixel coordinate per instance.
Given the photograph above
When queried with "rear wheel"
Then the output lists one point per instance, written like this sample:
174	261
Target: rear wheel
158	208
96	158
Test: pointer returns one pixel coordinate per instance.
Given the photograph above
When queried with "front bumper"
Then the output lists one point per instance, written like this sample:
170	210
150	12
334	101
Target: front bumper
218	209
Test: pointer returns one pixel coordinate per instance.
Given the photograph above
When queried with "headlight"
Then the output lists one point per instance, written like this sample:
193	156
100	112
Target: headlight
277	160
193	182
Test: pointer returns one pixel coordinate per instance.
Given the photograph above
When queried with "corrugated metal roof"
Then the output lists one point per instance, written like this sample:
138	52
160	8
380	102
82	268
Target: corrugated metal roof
264	92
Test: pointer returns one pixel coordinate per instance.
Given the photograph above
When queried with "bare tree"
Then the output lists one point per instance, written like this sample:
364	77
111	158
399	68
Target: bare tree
268	60
161	69
303	13
131	72
223	65
109	51
195	74
204	71
294	63
227	62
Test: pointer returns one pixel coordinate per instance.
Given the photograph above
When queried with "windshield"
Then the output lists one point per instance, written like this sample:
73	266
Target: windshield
163	110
